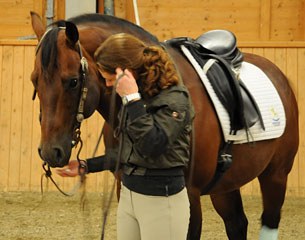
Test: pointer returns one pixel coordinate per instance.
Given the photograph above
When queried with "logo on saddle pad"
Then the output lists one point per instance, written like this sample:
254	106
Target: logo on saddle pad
275	117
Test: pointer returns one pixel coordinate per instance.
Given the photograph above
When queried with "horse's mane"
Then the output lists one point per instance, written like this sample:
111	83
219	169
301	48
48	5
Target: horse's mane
48	48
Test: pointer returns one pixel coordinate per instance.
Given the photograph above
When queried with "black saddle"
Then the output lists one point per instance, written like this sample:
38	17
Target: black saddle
220	45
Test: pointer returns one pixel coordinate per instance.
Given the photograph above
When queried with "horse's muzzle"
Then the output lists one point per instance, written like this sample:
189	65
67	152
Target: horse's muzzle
55	156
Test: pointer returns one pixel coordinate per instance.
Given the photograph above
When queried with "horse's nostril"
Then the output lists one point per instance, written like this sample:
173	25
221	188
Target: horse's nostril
58	153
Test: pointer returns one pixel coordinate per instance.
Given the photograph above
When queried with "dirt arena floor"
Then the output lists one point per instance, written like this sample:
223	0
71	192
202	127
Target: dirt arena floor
30	216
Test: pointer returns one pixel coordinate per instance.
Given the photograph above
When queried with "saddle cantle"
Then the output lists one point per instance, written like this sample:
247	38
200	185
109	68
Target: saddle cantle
223	44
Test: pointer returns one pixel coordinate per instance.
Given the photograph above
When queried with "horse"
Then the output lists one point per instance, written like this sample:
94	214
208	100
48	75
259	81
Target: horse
58	78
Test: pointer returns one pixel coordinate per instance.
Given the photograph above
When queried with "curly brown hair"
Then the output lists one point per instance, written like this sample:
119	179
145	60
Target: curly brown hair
151	65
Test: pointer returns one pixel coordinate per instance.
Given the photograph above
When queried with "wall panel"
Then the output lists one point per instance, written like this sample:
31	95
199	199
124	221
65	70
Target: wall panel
258	20
276	20
27	108
15	21
287	20
5	121
301	98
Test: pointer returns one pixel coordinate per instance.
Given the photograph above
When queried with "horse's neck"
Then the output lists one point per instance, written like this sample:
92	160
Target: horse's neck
104	109
91	38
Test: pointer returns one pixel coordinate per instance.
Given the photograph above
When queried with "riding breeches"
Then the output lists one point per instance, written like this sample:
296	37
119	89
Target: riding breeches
144	217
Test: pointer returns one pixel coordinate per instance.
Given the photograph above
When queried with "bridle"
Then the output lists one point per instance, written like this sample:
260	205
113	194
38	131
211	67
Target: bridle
76	136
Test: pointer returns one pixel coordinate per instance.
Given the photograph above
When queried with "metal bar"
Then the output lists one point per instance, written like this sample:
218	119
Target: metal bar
108	7
50	12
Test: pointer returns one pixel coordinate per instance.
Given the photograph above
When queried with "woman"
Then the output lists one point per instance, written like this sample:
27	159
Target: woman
157	118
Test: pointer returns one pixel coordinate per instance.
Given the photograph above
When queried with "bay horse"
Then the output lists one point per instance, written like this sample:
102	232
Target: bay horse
58	77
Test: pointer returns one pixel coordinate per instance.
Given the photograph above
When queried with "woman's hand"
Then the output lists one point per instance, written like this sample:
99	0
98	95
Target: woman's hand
71	170
126	82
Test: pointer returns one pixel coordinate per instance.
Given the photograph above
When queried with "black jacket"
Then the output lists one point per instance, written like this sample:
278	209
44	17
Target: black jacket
157	130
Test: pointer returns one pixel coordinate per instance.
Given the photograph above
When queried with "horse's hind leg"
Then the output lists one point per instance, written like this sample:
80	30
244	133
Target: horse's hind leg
273	187
230	207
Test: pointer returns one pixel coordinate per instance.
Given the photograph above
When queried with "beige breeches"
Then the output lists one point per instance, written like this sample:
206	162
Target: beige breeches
143	217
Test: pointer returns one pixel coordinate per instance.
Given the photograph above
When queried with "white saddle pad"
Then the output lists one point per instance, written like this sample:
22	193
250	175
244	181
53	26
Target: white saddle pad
265	95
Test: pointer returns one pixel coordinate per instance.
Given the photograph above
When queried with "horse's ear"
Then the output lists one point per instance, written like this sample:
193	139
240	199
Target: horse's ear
71	33
37	25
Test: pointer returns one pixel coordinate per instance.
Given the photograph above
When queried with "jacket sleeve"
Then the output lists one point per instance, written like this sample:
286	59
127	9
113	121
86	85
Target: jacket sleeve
103	162
153	131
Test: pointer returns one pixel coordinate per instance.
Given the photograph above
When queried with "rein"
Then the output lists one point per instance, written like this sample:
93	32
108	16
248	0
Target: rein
116	134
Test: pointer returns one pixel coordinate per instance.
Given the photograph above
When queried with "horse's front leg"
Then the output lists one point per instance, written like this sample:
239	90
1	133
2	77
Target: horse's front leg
230	207
195	225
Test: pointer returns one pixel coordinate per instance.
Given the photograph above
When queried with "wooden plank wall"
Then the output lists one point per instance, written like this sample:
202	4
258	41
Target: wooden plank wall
15	21
20	165
251	20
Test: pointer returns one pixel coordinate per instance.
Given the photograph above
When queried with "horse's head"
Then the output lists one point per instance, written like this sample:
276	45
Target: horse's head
68	88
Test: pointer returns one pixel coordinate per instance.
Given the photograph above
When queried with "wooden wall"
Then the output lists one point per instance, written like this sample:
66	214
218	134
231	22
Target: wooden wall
20	165
15	19
251	20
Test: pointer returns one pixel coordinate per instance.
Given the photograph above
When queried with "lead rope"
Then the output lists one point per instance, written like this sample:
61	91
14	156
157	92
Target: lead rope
107	204
117	133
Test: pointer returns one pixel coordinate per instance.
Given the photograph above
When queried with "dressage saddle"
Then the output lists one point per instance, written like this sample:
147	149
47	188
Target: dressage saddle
220	46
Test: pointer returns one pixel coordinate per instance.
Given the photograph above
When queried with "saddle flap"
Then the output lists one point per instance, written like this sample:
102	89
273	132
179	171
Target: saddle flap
251	111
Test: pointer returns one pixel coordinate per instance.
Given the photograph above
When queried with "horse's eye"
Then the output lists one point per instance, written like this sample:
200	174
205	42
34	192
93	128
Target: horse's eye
73	83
